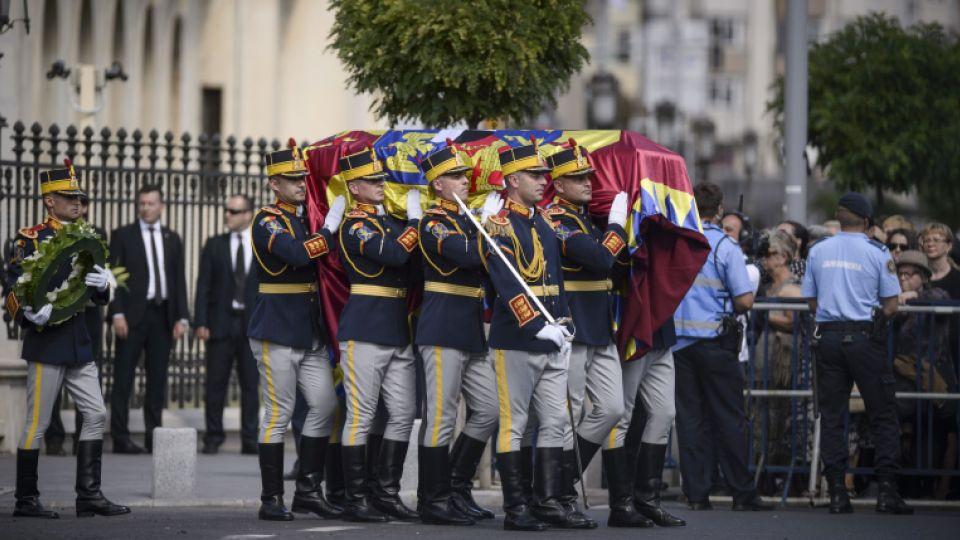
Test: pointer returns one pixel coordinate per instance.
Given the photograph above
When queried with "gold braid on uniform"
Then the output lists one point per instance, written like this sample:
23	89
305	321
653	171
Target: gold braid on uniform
531	271
346	254
426	256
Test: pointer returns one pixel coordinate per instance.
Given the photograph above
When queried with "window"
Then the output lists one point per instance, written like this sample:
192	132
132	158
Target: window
726	92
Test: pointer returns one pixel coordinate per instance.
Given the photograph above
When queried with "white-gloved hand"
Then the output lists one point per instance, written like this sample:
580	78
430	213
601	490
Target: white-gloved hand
553	333
100	278
334	217
491	206
380	210
413	204
618	209
38	318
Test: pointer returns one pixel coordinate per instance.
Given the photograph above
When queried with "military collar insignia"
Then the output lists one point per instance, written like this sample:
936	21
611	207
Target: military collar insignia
449	206
518	208
285	206
560	201
366	208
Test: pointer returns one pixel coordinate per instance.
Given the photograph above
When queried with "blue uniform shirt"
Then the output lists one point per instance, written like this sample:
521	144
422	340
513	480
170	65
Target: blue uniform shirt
848	274
723	277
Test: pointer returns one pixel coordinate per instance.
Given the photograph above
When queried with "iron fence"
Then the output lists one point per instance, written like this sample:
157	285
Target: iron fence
195	173
784	439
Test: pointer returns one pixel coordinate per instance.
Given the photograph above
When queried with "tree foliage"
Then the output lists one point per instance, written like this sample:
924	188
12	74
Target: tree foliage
884	108
440	62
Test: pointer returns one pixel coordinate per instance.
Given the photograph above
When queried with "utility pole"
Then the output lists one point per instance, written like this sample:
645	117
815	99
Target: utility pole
795	112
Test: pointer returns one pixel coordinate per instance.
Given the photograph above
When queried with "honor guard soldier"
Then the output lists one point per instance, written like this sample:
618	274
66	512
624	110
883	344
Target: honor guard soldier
451	341
592	260
529	353
375	351
58	355
852	287
288	336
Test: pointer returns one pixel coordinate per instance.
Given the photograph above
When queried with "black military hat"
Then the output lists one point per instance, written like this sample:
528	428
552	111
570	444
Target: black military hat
363	164
570	161
447	160
288	162
61	180
522	158
857	203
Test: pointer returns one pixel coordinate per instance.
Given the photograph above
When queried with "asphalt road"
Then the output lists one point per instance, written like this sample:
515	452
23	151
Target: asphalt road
241	524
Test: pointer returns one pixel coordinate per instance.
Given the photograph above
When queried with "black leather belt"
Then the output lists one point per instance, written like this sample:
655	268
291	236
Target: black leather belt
845	326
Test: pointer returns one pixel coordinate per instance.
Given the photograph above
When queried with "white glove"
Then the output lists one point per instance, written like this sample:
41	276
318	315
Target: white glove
335	214
413	204
618	209
100	278
38	318
491	206
380	210
553	333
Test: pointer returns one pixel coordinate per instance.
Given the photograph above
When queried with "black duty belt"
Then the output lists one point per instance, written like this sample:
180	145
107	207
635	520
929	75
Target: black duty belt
845	326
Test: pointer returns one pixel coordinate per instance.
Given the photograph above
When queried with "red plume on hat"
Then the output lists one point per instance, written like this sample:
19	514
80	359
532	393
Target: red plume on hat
291	143
571	142
67	163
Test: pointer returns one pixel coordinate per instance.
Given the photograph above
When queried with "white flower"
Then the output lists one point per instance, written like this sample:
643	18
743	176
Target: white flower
24	278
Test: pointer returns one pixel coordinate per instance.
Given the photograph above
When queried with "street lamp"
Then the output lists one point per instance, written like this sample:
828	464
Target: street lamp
603	101
87	83
704	132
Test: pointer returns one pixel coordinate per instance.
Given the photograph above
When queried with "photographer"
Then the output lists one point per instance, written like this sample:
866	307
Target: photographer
709	380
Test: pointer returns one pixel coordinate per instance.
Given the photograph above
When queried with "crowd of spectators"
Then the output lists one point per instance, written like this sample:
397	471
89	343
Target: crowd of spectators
925	349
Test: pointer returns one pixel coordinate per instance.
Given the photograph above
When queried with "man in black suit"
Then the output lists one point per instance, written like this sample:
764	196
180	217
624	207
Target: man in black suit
226	291
148	315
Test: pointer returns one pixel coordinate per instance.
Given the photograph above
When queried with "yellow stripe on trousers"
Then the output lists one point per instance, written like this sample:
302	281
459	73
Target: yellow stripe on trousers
271	391
352	374
37	384
503	395
438	402
611	443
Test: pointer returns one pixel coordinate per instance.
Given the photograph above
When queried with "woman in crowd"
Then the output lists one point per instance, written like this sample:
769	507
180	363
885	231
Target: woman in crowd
801	243
936	239
775	354
921	341
900	240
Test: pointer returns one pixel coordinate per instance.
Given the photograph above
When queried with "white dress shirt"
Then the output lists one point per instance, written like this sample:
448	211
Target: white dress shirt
152	291
235	238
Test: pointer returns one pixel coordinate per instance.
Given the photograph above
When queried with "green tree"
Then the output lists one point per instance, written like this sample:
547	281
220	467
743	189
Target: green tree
884	109
440	62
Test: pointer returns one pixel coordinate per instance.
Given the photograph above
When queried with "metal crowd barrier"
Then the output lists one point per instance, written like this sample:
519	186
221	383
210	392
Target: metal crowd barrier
803	426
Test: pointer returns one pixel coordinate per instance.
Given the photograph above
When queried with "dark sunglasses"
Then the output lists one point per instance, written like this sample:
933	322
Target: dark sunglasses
893	246
235	211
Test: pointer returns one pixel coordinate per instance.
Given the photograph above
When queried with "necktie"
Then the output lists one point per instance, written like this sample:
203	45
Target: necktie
155	261
239	272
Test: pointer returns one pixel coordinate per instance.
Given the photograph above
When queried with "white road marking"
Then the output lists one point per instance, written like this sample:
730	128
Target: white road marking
247	536
331	529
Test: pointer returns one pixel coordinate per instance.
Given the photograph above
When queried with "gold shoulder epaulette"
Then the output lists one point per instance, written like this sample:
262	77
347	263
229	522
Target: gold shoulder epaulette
271	210
31	232
436	211
498	224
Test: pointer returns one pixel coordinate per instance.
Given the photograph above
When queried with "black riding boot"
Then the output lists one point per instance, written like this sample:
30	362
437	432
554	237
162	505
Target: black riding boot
518	517
271	477
27	494
622	511
333	475
526	473
385	495
839	499
548	486
356	504
433	493
889	500
646	487
464	459
569	494
308	496
90	500
374	442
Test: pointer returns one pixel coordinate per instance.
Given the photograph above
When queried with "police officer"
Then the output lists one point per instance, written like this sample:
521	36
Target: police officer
848	277
529	353
590	257
375	350
287	336
58	355
709	381
451	342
